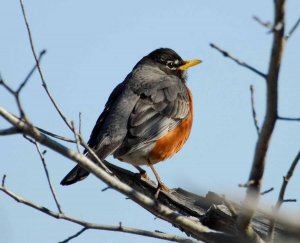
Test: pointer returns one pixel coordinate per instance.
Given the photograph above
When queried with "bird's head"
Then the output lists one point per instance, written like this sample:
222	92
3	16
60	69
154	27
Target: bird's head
170	62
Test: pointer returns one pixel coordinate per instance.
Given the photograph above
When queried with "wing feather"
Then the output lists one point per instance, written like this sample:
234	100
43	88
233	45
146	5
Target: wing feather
162	105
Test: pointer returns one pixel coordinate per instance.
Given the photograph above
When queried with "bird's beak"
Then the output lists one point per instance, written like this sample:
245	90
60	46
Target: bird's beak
188	64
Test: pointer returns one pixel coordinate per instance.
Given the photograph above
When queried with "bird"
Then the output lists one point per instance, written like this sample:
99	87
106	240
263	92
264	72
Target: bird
147	118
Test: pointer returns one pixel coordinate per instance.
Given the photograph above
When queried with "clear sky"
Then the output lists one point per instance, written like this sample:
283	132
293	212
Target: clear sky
91	47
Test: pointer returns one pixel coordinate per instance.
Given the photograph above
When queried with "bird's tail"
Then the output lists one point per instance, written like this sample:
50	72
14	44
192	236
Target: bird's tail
75	175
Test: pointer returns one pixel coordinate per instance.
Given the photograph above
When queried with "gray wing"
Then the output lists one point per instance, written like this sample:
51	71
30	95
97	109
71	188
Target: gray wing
95	135
161	106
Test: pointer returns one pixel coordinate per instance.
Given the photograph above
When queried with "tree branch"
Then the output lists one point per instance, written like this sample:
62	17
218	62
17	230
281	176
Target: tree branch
281	199
48	176
89	225
253	109
56	136
39	68
267	191
192	227
38	60
9	131
239	62
267	25
258	166
288	118
74	236
292	29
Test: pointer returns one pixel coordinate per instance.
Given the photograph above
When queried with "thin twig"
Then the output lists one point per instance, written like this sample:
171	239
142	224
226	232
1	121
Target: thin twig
16	96
3	180
56	136
288	118
76	136
267	25
29	139
89	225
289	200
259	160
16	93
79	141
79	128
253	109
293	29
40	70
267	191
42	157
93	155
74	236
6	86
42	53
281	199
241	63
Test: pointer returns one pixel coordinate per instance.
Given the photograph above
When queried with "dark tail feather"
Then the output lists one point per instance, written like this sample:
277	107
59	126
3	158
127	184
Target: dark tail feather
75	175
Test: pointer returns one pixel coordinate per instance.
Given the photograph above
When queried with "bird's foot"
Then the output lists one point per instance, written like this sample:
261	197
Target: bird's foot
162	187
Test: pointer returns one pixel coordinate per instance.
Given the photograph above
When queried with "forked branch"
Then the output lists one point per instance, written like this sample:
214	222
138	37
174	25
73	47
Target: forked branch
258	165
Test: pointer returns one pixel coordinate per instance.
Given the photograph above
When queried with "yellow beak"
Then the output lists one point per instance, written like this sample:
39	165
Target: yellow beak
188	64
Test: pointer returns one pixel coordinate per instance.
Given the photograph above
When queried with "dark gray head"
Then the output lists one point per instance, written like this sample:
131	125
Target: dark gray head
170	62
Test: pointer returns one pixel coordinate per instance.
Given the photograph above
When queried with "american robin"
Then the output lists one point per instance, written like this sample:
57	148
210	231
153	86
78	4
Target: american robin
147	118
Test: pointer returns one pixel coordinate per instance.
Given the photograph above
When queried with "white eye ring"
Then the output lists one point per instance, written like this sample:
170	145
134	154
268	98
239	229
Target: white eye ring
170	64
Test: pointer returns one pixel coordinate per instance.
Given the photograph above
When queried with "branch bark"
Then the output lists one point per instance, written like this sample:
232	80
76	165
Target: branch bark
281	196
258	166
238	61
88	225
191	227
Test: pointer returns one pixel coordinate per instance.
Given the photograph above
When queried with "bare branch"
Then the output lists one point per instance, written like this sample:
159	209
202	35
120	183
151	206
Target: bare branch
292	30
55	135
288	118
76	136
16	96
258	165
79	118
190	226
9	131
267	191
253	109
29	139
3	180
88	225
42	53
40	70
281	196
48	176
74	236
6	86
268	25
289	200
93	155
241	63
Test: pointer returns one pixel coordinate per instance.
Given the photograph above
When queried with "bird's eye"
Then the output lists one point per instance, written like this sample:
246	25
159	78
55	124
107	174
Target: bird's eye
170	65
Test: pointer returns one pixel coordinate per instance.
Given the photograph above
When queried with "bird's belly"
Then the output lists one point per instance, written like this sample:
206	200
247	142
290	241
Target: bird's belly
137	157
172	142
165	147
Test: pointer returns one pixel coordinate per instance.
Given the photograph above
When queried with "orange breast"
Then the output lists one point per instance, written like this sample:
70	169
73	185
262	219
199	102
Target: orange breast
172	142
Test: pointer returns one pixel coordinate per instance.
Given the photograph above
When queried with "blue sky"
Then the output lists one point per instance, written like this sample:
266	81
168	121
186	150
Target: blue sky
91	47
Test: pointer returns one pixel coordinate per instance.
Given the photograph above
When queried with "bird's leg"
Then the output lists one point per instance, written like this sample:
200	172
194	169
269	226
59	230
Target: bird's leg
161	185
142	173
